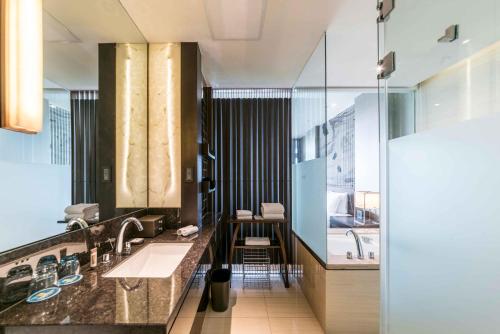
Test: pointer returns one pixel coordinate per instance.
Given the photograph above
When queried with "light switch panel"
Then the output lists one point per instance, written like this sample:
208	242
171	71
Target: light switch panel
189	174
106	174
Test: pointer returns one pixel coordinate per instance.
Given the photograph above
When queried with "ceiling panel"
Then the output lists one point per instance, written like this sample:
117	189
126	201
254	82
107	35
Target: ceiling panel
290	31
72	31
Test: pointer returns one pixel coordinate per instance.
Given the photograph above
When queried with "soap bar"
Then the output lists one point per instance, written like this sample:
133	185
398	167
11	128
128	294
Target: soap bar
137	241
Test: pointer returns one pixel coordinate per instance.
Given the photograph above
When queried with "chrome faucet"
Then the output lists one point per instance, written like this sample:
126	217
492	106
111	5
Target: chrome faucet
78	221
119	240
82	225
359	246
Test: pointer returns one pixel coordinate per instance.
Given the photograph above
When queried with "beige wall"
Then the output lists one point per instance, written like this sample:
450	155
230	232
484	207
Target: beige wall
344	301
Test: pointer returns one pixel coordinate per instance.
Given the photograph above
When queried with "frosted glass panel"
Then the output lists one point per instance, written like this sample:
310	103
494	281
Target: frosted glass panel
444	226
309	198
309	153
442	186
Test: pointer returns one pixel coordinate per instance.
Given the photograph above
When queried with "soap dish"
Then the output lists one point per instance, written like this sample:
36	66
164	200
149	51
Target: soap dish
70	279
44	294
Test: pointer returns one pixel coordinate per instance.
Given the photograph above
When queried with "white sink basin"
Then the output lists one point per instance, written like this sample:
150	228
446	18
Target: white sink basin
157	260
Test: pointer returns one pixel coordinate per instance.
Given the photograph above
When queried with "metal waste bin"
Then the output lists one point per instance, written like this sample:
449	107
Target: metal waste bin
220	280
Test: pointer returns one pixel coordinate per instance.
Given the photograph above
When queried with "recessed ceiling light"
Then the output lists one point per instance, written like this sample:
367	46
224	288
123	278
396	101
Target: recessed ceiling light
235	19
436	104
466	41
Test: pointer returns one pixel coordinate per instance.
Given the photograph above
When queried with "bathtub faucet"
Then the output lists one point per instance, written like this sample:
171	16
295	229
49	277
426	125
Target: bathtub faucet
359	246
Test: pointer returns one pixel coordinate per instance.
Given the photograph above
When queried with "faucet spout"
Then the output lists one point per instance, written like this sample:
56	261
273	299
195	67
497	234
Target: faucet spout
359	246
125	223
82	224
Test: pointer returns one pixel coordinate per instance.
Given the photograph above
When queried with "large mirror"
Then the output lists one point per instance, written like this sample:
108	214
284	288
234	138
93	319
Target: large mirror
51	177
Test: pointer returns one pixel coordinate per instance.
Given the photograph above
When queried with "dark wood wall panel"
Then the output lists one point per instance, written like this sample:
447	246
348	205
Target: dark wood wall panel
106	129
252	139
191	95
106	115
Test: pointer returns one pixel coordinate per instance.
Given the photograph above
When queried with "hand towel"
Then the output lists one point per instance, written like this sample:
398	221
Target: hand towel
83	216
272	208
278	216
244	213
183	229
244	217
188	231
256	241
82	208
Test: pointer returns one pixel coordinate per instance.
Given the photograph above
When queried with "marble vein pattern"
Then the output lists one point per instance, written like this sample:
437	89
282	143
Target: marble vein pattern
131	125
164	125
97	300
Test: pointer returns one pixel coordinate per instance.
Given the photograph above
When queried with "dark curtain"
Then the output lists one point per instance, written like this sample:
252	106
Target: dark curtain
83	147
252	139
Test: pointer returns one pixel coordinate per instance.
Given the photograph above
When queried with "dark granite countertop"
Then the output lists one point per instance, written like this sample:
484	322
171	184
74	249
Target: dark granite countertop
97	300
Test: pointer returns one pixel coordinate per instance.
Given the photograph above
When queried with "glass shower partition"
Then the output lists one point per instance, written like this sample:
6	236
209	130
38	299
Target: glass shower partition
440	264
309	175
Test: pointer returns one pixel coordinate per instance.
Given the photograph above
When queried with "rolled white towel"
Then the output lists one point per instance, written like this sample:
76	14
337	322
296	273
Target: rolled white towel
243	213
82	208
279	216
74	215
272	208
84	216
185	228
189	231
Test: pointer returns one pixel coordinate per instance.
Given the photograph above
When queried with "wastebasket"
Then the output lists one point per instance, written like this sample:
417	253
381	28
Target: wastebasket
219	287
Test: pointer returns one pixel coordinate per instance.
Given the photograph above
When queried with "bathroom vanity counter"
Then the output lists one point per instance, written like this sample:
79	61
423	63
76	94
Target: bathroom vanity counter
97	300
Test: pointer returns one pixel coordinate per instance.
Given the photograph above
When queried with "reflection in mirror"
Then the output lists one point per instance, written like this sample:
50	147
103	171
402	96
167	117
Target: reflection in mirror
49	179
352	158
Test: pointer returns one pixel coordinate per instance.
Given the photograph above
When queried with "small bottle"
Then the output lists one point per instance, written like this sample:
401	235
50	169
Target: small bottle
93	257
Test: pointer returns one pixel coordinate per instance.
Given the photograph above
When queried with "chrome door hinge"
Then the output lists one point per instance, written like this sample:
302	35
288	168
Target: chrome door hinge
384	8
386	66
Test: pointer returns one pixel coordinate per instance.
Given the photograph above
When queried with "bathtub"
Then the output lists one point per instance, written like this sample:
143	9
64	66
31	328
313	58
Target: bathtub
338	244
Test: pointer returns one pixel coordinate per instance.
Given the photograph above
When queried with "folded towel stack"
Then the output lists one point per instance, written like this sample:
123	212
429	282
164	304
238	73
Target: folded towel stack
255	241
272	211
244	214
85	211
187	230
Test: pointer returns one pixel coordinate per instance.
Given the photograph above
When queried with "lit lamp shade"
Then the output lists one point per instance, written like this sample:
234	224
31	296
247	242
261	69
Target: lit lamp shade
372	200
367	200
365	203
21	65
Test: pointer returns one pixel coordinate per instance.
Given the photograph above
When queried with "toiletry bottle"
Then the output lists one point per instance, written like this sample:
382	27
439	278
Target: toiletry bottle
93	257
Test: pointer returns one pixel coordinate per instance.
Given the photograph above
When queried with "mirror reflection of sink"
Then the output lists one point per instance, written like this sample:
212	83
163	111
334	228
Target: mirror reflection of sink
156	260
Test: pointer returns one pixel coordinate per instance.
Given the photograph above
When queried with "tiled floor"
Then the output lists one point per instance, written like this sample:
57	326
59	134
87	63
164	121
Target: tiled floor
261	310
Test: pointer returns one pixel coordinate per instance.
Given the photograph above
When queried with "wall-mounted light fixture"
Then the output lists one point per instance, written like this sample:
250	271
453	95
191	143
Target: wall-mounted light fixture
367	205
164	170
131	126
21	65
148	125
